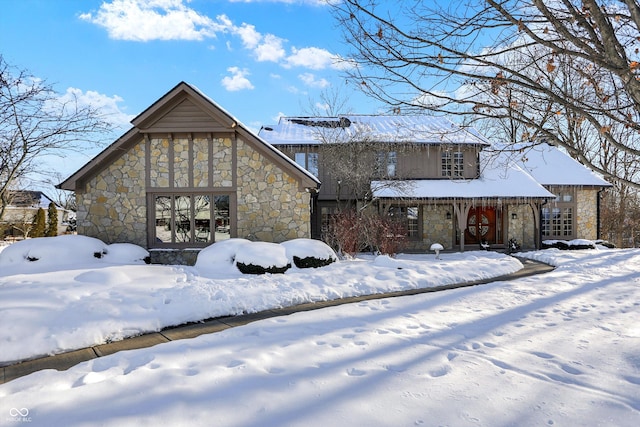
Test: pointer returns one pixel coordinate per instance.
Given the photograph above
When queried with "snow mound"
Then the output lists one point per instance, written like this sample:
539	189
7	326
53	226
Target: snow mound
126	253
221	256
42	254
249	257
53	251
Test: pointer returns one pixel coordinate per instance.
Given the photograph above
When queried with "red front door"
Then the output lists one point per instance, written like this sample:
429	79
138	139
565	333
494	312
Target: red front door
481	225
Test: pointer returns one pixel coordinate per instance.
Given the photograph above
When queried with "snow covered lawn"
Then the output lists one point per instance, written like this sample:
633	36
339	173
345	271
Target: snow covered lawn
559	349
49	307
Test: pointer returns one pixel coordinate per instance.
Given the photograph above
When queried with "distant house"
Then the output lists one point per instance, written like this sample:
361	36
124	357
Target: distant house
22	208
446	183
188	174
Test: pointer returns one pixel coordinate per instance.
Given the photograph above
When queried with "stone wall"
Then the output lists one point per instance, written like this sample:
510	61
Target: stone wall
270	206
521	228
436	228
112	207
587	214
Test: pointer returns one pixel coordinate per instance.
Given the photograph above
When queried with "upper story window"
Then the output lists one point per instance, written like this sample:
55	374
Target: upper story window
309	161
452	164
386	163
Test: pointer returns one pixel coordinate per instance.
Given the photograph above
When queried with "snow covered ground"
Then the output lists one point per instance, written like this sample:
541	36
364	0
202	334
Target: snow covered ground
557	349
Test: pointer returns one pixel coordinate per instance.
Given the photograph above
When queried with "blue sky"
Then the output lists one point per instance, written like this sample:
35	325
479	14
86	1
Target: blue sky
258	59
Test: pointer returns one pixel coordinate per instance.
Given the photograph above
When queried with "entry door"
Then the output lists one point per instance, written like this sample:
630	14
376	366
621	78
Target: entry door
481	225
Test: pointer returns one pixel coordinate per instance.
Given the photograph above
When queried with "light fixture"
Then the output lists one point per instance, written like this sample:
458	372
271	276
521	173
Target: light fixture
448	215
514	216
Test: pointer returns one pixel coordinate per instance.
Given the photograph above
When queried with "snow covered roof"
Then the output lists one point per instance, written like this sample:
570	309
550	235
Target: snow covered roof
416	129
551	166
499	179
28	198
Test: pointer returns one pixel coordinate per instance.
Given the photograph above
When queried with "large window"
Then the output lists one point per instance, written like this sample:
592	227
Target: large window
195	219
452	164
557	223
558	220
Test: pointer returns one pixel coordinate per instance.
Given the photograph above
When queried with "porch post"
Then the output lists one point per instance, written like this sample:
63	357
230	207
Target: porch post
461	210
537	238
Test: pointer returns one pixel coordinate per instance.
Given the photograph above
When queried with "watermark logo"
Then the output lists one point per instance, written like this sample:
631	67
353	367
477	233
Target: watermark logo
20	415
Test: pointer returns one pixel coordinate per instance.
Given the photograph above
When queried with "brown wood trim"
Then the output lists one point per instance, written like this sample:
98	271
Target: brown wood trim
190	161
210	161
234	161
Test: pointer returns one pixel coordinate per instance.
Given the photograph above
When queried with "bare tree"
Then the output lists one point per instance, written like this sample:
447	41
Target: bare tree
554	67
36	122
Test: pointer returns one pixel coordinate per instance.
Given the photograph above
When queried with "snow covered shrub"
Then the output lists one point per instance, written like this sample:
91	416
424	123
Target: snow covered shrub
309	253
126	253
262	257
576	244
605	243
53	251
221	255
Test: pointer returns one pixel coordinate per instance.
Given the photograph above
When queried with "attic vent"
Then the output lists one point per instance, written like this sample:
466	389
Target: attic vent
343	122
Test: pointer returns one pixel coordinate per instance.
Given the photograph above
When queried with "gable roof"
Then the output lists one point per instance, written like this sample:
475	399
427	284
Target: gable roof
185	109
418	129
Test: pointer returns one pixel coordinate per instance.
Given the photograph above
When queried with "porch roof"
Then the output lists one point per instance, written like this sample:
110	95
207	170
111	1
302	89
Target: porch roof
498	179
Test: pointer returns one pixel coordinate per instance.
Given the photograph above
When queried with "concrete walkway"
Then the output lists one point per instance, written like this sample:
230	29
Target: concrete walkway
64	361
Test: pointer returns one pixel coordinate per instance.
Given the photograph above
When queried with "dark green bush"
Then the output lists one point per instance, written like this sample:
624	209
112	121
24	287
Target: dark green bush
563	245
311	262
258	269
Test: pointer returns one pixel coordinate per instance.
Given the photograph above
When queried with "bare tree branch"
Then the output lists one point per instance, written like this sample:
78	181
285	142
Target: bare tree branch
36	122
550	65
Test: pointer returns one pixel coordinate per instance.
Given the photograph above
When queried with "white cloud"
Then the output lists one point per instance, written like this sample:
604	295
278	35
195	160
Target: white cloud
266	47
309	79
309	2
322	107
237	80
108	106
313	58
144	20
248	34
270	50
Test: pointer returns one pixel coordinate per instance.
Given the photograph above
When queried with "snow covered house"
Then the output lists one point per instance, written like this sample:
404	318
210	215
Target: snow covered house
188	174
22	208
446	183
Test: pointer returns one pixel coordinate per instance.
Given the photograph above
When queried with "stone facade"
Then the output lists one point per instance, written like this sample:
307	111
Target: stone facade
113	205
587	213
436	227
521	228
270	206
